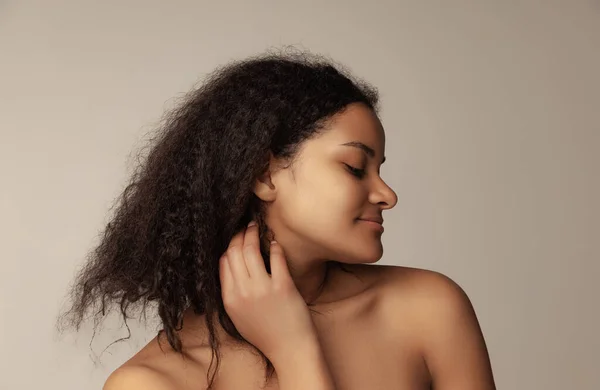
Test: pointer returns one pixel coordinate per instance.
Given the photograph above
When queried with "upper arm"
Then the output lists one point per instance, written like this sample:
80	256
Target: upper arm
136	377
452	342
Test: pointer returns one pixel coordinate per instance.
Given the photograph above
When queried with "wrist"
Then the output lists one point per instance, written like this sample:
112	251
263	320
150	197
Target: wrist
309	350
306	366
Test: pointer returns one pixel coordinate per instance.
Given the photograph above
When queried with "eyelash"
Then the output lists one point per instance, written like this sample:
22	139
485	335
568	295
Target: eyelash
360	173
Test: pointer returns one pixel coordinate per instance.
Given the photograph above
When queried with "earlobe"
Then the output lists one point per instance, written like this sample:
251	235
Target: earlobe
264	188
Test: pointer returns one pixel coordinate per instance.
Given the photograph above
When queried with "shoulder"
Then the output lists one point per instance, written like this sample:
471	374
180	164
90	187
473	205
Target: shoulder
158	367
429	293
443	324
415	297
137	376
430	300
155	367
420	288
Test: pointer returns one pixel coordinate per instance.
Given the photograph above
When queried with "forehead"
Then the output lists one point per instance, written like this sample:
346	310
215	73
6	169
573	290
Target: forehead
356	123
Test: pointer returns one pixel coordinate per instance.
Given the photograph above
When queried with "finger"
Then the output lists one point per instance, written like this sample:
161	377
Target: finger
237	239
235	259
279	267
254	260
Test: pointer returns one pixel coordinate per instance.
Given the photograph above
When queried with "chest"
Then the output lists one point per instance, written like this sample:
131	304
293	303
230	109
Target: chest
361	350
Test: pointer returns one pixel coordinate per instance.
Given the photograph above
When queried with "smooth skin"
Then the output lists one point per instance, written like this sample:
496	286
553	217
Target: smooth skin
378	327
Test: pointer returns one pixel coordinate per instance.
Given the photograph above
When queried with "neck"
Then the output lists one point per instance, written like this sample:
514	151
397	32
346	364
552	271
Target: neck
310	280
309	270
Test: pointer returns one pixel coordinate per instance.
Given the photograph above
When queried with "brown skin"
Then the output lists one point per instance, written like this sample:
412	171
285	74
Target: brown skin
381	327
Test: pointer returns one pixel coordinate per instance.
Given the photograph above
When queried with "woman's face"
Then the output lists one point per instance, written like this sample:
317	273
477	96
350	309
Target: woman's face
317	204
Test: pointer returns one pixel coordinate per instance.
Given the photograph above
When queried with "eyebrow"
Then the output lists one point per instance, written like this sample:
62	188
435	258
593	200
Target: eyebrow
368	150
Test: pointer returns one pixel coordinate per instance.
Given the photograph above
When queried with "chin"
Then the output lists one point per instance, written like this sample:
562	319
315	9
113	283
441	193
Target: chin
366	255
374	252
372	259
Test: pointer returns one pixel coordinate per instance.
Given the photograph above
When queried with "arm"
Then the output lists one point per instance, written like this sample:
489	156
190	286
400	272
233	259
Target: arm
451	338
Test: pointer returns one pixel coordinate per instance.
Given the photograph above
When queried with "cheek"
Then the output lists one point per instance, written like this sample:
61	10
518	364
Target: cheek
323	210
329	199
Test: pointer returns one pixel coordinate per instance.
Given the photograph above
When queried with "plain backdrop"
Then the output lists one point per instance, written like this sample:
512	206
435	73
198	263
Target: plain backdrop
491	110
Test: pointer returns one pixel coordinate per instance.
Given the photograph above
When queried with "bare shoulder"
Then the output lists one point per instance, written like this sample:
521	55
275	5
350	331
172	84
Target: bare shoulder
413	285
157	367
443	323
419	288
427	299
137	376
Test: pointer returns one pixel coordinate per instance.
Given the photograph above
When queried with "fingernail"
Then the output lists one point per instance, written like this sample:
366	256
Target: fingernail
252	223
273	242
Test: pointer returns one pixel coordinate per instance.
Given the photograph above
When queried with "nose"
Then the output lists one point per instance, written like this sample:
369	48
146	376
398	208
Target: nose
383	195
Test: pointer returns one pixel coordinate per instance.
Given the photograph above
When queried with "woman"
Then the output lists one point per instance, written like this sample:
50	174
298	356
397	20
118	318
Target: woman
284	148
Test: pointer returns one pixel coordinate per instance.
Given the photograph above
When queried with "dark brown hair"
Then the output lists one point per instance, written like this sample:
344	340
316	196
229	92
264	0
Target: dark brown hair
193	191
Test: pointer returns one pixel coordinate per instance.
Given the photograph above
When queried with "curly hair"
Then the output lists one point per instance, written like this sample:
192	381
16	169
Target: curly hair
193	191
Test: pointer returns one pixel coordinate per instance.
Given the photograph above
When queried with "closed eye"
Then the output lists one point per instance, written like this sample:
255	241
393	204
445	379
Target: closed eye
360	173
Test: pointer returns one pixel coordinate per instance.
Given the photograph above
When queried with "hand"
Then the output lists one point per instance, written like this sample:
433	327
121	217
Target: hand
267	310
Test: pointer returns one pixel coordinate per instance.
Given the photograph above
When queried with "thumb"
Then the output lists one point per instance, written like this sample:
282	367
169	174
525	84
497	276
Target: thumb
279	267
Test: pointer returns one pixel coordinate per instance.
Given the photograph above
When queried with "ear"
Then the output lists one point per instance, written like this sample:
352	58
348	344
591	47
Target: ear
264	188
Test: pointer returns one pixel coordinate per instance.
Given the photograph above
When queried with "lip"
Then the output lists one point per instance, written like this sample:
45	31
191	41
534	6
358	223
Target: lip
374	224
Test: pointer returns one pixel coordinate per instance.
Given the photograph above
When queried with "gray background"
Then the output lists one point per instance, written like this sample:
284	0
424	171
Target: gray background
493	131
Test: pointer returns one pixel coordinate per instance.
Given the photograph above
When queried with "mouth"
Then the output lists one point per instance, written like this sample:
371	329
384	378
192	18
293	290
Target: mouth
373	224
